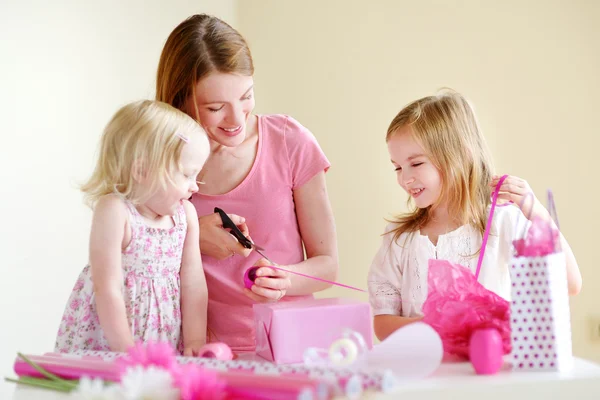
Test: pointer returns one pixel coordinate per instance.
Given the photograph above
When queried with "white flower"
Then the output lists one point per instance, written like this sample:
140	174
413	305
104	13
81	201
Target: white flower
152	383
94	389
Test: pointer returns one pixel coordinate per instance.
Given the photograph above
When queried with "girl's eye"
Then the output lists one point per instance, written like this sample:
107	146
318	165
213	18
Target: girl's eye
417	164
215	109
398	169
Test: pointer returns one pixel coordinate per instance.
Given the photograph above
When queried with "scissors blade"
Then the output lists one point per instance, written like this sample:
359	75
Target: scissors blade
259	250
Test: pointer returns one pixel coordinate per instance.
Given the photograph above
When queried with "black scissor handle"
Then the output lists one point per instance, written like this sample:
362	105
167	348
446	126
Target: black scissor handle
235	231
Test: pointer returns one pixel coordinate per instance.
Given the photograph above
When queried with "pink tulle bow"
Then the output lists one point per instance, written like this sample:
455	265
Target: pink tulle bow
541	239
159	354
197	383
457	305
193	381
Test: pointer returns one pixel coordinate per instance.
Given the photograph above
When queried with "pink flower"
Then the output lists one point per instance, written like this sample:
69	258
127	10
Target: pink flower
78	285
70	321
196	383
87	315
159	354
75	304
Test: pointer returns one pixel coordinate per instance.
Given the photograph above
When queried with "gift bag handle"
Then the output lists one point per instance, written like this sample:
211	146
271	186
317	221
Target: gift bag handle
552	208
486	234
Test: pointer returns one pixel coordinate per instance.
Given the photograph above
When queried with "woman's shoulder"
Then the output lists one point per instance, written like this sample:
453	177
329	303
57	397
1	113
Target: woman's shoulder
282	124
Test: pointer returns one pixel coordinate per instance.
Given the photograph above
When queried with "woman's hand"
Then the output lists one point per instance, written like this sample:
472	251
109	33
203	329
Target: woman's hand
217	242
270	284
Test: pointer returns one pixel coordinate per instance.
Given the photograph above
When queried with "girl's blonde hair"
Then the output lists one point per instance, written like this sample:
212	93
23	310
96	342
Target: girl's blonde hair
143	138
200	45
446	127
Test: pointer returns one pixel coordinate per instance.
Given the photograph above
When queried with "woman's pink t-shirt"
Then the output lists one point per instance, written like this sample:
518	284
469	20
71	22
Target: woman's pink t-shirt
288	156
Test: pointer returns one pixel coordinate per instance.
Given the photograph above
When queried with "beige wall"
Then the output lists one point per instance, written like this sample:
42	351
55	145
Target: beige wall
345	68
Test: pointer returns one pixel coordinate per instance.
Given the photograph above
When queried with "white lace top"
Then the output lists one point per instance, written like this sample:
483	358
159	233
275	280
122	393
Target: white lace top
397	278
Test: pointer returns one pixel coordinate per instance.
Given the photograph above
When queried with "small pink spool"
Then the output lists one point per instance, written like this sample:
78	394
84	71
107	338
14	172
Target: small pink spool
485	351
218	350
250	277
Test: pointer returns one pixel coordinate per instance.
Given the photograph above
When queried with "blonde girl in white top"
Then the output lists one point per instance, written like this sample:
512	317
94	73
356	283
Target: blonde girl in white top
442	162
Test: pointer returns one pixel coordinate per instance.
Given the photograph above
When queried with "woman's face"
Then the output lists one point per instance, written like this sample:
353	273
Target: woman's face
225	102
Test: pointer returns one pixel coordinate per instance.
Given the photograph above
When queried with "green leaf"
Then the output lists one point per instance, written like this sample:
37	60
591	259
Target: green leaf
44	383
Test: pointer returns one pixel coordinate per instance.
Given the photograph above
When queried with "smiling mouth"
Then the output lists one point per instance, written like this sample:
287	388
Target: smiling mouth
232	130
416	192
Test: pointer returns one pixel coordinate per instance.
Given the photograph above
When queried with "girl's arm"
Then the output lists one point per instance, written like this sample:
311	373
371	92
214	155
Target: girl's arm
384	325
194	293
516	190
573	275
106	243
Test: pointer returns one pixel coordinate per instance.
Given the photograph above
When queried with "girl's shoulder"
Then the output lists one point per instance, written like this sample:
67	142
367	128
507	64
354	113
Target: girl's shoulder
111	205
395	240
508	213
509	221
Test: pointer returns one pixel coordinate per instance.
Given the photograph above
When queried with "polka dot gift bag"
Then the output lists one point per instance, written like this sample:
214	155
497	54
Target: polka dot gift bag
540	317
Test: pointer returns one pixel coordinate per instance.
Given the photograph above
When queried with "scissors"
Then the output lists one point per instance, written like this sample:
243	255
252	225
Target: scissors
235	231
250	274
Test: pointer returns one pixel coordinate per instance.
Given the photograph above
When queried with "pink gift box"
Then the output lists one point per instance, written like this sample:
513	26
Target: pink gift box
285	330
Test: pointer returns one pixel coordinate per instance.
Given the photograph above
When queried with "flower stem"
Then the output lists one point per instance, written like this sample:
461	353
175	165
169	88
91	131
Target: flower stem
43	383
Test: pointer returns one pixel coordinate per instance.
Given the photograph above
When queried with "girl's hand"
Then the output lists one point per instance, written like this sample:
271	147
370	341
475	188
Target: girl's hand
192	349
218	242
270	284
516	190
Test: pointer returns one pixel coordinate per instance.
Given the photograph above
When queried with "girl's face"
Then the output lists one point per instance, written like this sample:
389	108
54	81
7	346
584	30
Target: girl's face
225	102
415	172
183	179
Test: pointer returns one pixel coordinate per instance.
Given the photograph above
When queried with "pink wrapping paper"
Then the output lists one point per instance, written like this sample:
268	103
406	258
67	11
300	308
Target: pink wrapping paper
285	330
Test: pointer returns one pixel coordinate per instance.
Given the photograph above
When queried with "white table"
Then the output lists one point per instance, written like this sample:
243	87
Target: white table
458	381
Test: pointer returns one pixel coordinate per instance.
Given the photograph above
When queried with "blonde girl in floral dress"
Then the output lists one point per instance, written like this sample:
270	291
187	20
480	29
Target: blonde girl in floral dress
144	280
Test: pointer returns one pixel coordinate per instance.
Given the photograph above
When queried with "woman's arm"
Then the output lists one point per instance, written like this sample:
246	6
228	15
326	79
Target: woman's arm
317	228
106	241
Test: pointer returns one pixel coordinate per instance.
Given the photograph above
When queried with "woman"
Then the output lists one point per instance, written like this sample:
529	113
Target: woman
268	170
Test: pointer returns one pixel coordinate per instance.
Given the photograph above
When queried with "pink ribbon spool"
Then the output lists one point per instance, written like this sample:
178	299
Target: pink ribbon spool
250	277
220	351
485	351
